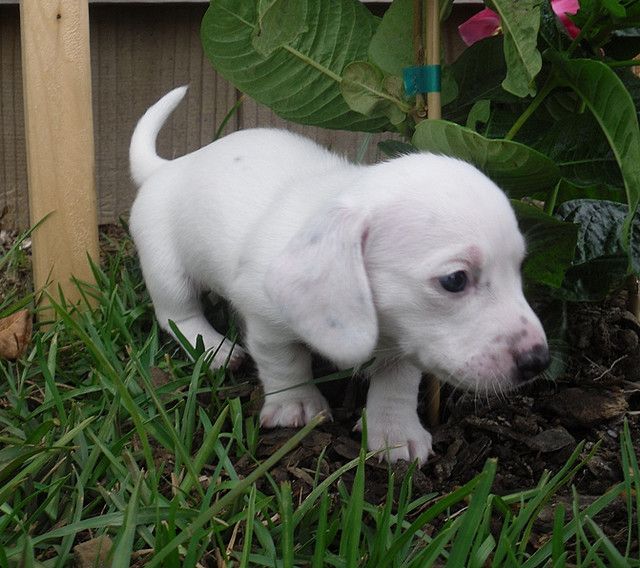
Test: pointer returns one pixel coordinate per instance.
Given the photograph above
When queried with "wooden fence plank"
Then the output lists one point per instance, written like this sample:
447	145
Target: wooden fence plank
59	136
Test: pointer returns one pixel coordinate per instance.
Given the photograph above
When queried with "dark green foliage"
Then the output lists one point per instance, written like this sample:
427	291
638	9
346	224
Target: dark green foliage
554	127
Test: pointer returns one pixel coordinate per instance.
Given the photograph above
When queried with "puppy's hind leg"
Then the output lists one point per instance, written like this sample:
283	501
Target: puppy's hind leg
225	353
290	397
176	299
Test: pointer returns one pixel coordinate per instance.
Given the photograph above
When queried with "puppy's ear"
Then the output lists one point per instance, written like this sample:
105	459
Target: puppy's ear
320	286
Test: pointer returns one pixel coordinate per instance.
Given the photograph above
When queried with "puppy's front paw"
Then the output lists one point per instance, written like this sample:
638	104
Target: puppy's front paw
293	408
398	438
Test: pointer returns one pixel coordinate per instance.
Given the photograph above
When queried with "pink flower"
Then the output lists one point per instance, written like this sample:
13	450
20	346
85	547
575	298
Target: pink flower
564	8
487	23
483	24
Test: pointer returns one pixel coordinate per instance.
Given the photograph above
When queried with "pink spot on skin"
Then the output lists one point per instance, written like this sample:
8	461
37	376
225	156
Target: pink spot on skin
474	255
486	23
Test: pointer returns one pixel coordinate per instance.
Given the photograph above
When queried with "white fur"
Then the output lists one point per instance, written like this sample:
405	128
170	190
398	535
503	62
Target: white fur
316	253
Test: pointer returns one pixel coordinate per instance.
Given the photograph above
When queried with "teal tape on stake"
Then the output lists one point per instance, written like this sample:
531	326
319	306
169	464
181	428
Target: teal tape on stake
421	79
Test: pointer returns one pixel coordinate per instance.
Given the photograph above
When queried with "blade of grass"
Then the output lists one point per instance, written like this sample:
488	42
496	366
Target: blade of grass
320	548
145	516
352	528
463	542
431	553
285	501
178	445
441	505
250	519
522	524
309	502
234	493
557	545
67	542
580	534
106	366
383	523
39	462
541	555
614	558
189	414
48	368
631	476
5	258
207	448
124	544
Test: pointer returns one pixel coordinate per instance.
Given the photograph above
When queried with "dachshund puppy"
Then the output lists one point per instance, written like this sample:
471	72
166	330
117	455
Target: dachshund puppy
413	262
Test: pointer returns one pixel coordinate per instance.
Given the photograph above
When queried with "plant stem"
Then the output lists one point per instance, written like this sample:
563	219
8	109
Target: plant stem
432	396
626	63
633	301
548	87
550	202
576	40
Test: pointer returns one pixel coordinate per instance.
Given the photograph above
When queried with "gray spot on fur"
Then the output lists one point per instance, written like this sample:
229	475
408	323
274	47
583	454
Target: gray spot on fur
314	238
334	323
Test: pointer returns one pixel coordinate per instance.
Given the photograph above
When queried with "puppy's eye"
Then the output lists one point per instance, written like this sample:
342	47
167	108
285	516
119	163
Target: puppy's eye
454	282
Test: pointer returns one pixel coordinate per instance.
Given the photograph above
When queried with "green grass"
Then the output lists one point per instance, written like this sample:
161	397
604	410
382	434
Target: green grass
92	444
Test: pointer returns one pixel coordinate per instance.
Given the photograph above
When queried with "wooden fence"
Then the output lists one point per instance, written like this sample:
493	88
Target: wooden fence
139	52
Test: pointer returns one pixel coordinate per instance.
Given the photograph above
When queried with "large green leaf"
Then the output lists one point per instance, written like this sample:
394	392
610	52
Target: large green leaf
520	22
550	245
479	114
576	143
568	191
632	83
290	64
599	223
367	91
279	23
516	168
612	106
476	80
391	47
605	16
601	261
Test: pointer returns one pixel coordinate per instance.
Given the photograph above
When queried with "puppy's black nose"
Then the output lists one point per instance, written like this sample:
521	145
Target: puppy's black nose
530	363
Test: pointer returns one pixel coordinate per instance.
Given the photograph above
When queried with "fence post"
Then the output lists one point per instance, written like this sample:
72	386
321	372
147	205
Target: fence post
56	72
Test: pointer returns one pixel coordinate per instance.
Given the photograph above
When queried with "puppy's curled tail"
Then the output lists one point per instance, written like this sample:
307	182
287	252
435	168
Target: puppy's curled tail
143	158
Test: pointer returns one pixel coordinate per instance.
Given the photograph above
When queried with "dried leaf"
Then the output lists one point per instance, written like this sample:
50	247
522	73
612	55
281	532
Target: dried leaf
15	334
93	553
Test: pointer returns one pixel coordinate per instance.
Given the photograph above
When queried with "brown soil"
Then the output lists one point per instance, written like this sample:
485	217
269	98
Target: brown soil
530	431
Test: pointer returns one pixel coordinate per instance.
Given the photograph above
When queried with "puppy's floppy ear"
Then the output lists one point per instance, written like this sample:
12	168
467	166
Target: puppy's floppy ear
320	286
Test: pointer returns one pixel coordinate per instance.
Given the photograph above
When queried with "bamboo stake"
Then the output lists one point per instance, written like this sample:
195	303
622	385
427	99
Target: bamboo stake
59	135
419	51
633	299
633	282
432	48
432	23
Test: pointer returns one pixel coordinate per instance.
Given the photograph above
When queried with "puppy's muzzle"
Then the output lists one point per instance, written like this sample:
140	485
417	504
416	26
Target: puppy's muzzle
532	362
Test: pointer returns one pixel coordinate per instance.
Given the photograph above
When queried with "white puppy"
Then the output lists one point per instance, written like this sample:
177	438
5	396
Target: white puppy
414	262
